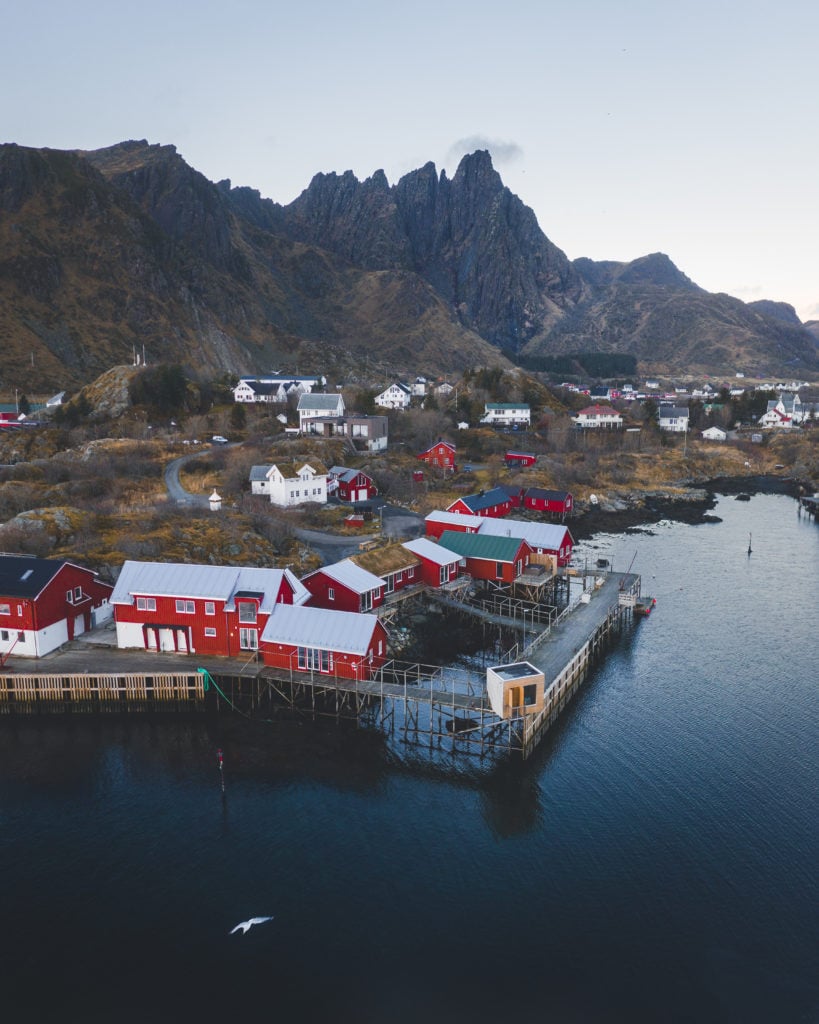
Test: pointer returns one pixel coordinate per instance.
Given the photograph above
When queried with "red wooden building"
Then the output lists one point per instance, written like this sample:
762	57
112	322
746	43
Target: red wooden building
541	500
350	484
440	454
515	460
202	609
344	586
323	641
438	564
496	559
436	522
495	502
543	538
44	603
394	564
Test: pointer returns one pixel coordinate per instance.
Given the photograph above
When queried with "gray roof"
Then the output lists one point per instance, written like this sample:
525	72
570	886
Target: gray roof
21	576
209	582
352	576
328	630
537	535
425	548
321	402
259	472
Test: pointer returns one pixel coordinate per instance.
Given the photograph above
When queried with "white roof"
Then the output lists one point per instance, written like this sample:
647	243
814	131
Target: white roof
537	535
425	548
328	630
352	576
211	582
460	519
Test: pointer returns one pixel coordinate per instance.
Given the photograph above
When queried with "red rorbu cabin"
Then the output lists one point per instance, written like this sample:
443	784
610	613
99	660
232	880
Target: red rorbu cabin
496	559
495	502
436	522
324	641
541	500
516	460
344	586
438	564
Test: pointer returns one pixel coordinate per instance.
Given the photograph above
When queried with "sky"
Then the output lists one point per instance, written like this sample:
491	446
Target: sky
689	128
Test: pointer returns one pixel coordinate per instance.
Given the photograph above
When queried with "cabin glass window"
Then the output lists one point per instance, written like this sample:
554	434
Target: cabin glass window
69	596
210	608
5	609
78	593
185	607
146	604
248	639
210	631
4	635
247	611
331	594
499	570
530	695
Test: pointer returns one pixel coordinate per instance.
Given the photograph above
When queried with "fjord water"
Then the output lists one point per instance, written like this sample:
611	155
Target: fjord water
654	862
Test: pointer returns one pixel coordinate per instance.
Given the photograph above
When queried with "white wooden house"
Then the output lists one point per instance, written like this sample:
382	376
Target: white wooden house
507	414
290	484
597	417
673	418
396	396
313	406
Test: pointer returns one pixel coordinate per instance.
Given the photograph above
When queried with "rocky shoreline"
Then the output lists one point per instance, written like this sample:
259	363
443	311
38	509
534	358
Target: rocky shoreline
633	509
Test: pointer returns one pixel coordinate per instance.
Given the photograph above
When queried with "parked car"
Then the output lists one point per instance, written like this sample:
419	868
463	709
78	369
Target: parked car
218	439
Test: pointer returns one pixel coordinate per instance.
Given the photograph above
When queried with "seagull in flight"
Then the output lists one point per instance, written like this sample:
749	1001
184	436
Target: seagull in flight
245	926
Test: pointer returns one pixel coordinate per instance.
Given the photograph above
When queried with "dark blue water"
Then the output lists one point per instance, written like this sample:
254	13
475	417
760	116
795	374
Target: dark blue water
655	861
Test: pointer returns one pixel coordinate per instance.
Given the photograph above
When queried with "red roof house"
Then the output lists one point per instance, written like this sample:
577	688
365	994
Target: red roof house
44	603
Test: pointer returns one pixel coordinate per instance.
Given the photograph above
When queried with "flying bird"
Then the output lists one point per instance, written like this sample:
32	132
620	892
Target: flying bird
245	926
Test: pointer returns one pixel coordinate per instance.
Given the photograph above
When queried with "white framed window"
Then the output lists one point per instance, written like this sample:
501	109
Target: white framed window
146	604
4	635
248	639
210	609
315	660
247	611
210	631
5	609
69	596
78	593
185	607
331	594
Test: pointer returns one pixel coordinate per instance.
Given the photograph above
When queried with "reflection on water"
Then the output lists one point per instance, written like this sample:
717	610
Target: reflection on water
654	861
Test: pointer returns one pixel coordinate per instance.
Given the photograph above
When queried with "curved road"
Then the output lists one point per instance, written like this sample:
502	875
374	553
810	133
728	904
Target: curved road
331	547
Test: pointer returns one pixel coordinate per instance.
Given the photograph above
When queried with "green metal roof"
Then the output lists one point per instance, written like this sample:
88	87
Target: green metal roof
475	545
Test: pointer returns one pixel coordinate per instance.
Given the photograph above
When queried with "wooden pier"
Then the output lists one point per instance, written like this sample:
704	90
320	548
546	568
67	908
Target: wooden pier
441	708
83	692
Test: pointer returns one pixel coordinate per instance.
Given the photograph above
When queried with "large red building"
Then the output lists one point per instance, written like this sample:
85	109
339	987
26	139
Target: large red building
436	522
202	609
44	603
325	642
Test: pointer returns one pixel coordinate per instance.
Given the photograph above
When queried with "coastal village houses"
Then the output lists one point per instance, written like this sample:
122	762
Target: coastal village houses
350	484
274	389
344	586
438	566
45	603
494	502
290	484
673	418
368	433
202	609
488	558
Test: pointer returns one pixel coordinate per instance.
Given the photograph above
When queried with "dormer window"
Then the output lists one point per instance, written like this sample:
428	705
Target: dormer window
247	611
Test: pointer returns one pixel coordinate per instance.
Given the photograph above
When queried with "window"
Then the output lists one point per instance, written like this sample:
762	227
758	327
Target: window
5	609
380	646
410	572
146	604
185	607
248	639
331	594
210	609
499	570
390	584
210	631
4	634
313	660
78	593
247	611
69	596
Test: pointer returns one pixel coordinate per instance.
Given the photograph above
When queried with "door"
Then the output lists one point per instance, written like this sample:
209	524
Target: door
166	640
79	624
362	494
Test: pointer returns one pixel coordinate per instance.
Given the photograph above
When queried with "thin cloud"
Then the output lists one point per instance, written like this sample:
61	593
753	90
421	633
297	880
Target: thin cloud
502	152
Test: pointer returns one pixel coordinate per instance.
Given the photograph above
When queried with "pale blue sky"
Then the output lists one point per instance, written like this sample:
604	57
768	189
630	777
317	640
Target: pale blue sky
629	127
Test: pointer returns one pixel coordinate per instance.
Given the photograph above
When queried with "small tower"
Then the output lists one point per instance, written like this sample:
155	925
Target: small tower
215	501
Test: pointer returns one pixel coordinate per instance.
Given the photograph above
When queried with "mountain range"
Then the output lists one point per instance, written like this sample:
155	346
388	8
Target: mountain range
110	253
